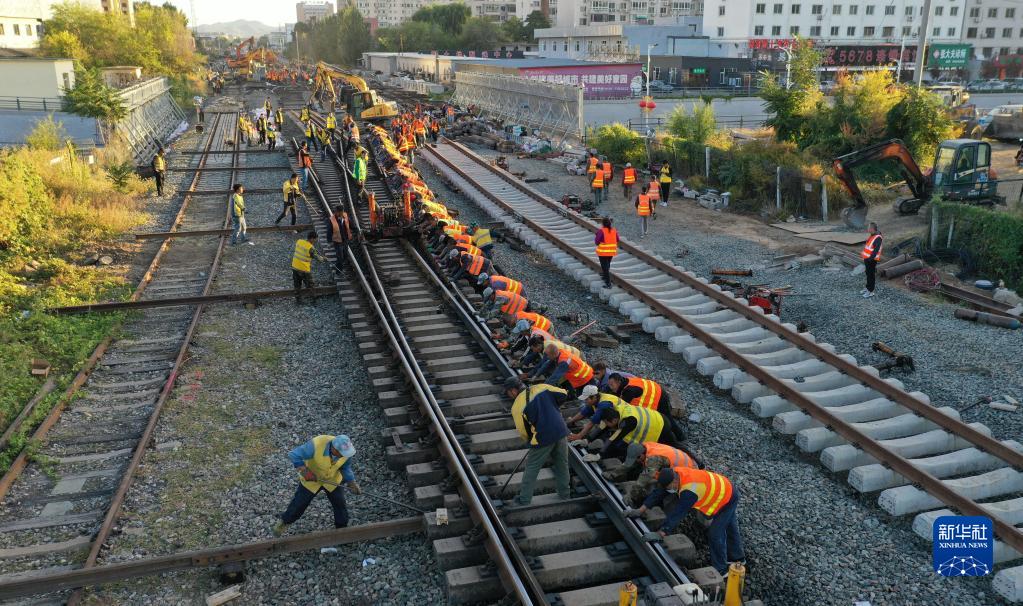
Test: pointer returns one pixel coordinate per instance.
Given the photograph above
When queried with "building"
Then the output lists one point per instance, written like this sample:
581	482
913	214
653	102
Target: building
387	13
993	27
575	13
123	7
280	38
19	32
311	11
38	77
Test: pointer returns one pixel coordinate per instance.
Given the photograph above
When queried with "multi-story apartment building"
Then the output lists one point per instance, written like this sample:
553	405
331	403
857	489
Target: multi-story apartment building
390	13
993	27
575	13
307	12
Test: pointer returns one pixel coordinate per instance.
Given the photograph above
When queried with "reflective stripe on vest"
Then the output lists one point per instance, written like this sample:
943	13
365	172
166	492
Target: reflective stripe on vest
643	208
629	176
331	121
651	393
468	248
607	171
868	247
302	259
654	191
322	466
598	180
579	373
609	247
539	322
592	167
674	456
649	423
503	283
482	237
712	490
475	264
515	304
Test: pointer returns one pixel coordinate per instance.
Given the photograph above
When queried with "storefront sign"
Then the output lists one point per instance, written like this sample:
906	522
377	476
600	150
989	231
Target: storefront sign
865	56
698	70
600	81
493	54
948	55
771	43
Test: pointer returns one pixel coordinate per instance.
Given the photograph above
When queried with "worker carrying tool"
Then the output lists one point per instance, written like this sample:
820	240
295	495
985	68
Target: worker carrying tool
564	369
870	254
481	238
536	412
322	463
302	264
711	494
159	170
606	240
292	190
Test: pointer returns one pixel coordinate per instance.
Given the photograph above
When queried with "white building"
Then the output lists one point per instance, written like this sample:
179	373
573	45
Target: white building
575	13
308	12
389	13
37	77
21	21
993	27
18	31
623	42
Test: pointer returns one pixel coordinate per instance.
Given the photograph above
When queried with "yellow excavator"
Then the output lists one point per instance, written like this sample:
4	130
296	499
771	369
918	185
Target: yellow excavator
359	99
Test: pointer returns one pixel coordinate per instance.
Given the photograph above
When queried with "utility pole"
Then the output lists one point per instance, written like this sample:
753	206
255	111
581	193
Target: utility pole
921	47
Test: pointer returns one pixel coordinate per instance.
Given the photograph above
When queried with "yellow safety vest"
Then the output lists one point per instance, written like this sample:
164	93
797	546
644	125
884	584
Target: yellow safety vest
649	423
302	260
159	163
239	205
308	130
665	175
331	121
322	466
305	115
291	188
482	237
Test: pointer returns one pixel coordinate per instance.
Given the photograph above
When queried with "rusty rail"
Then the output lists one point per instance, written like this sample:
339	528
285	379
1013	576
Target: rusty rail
1006	531
231	297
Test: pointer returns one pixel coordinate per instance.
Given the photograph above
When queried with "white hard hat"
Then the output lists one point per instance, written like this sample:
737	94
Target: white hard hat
628	165
453	253
488	292
343	444
588	391
483	278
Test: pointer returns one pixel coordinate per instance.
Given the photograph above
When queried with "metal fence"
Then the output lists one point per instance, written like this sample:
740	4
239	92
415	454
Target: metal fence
644	125
33	104
553	109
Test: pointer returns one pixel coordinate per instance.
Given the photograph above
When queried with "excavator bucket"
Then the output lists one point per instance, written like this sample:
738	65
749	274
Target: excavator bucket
855	217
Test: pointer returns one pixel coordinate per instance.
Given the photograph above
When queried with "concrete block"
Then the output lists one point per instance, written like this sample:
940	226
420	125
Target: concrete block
712	365
1008	583
666	332
847	456
817	438
871	410
869	478
907	499
653	323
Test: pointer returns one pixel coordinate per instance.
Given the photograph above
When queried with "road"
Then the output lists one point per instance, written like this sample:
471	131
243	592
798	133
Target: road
729	111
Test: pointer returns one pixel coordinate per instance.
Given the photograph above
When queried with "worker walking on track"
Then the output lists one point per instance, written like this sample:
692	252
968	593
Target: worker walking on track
665	183
331	124
711	494
870	254
159	170
359	169
291	193
628	180
340	235
597	184
536	412
306	162
323	463
310	135
606	240
608	176
271	138
238	216
642	203
302	264
324	139
279	119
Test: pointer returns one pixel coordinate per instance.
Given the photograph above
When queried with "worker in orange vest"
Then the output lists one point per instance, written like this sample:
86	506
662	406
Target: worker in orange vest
597	184
563	369
607	247
608	173
591	165
870	254
643	209
711	494
628	180
653	189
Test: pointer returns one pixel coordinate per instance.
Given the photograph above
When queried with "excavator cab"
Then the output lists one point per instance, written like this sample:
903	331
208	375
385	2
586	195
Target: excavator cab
962	171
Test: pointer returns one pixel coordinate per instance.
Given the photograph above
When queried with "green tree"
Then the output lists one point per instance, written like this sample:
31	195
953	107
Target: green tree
921	120
412	36
481	34
515	30
92	98
450	18
619	143
698	126
355	36
63	44
47	134
534	21
794	106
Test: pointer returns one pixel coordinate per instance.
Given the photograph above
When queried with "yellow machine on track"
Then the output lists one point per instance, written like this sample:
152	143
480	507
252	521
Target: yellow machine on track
351	90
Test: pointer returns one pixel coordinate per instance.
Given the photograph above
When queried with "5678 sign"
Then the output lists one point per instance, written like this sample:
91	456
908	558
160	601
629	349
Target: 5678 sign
862	56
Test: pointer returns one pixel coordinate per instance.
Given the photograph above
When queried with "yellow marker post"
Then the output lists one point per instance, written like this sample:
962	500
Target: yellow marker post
736	581
627	594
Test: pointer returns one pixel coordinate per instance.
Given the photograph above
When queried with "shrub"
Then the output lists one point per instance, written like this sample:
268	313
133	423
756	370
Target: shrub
619	144
993	238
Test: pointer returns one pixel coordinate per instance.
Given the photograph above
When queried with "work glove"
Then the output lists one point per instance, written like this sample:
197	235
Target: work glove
309	475
582	442
632	513
591	457
354	487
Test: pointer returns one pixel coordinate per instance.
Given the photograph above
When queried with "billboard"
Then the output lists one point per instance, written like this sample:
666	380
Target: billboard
948	56
866	56
492	54
602	81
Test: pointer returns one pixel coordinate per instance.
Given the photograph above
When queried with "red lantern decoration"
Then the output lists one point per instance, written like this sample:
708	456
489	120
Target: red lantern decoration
642	103
650	104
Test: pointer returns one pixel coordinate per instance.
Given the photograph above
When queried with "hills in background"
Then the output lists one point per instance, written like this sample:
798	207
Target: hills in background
242	28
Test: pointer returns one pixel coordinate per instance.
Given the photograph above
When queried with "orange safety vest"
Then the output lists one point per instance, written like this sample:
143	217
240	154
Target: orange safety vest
676	457
592	168
460	238
868	247
651	393
607	171
629	176
510	285
598	180
713	490
516	302
609	247
419	127
539	322
406	199
404	144
579	373
643	208
468	248
654	191
373	218
475	263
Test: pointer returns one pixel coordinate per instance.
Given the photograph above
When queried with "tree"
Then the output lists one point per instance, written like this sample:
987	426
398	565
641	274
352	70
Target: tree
450	18
698	127
794	106
920	119
92	98
355	36
534	21
481	34
515	30
63	44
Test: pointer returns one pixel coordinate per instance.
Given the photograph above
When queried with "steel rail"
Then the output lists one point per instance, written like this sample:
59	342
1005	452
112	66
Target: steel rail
114	509
512	566
21	461
22	585
1006	531
218	232
229	297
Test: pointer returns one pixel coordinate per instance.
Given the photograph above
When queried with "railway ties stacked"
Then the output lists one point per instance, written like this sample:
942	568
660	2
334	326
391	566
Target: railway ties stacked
576	552
93	445
758	358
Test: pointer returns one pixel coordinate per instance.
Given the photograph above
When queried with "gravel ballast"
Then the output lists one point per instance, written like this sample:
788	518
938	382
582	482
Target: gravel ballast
810	538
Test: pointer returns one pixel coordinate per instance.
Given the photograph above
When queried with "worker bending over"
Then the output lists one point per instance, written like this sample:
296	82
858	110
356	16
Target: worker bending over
643	463
602	375
470	266
536	412
322	463
711	494
591	412
499	282
626	424
564	369
481	239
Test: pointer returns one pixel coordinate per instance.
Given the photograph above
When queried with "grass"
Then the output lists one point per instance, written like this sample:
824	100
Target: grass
53	210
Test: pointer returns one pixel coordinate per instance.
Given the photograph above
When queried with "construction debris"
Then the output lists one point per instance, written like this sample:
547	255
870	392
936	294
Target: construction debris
222	597
982	317
896	359
731	272
899	270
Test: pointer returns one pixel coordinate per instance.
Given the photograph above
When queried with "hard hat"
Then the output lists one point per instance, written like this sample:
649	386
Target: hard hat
588	391
453	253
628	165
483	278
343	444
488	292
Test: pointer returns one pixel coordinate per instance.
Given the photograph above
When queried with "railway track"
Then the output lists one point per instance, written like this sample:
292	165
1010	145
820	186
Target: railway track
438	377
59	513
918	458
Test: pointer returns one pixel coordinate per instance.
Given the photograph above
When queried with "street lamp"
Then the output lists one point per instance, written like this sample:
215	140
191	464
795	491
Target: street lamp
788	67
648	72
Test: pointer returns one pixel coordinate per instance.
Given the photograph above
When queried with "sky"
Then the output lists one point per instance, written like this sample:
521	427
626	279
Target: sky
271	12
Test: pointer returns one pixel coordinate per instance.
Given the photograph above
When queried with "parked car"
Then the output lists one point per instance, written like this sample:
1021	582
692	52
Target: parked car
660	87
997	85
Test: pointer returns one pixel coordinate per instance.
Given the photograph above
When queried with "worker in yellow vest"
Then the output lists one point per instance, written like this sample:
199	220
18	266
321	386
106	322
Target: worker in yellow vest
331	125
240	228
665	183
302	264
481	238
279	119
324	463
304	116
643	210
310	136
159	170
292	190
628	180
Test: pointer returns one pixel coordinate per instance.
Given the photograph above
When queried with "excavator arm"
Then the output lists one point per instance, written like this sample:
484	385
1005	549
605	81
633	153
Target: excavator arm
244	44
893	149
